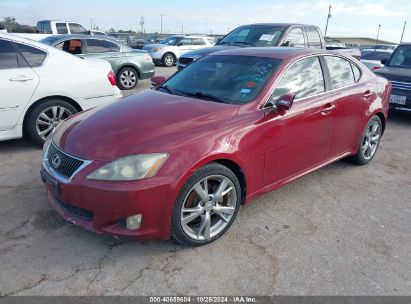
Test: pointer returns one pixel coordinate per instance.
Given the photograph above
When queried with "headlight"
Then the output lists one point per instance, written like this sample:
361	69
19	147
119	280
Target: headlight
131	167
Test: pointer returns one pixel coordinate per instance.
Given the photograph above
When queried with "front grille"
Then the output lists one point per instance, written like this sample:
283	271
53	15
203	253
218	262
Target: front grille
401	85
76	211
67	164
185	60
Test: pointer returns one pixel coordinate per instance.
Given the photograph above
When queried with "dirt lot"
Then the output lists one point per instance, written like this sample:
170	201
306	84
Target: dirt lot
343	230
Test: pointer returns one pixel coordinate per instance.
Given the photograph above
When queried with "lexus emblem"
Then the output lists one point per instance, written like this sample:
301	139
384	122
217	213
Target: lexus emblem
56	161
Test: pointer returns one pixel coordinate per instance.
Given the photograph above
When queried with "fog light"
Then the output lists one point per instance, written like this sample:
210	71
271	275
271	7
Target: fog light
133	222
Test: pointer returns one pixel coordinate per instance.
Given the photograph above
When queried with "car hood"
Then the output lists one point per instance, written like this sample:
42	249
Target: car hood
148	122
209	50
396	74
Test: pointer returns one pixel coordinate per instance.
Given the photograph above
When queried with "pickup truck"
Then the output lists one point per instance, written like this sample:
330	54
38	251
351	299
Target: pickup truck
266	35
46	28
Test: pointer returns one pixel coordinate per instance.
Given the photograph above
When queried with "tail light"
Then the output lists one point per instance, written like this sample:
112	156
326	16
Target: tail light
112	78
375	68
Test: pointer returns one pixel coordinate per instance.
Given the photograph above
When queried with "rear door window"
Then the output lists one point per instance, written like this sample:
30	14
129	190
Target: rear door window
34	56
295	38
313	37
340	70
8	56
61	28
198	41
101	46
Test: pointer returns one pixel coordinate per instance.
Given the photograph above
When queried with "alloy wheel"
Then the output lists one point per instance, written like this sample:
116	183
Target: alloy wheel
128	78
49	119
169	60
371	140
209	207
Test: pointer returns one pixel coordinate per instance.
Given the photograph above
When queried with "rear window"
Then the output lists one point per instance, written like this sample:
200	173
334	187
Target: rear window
34	56
77	29
44	27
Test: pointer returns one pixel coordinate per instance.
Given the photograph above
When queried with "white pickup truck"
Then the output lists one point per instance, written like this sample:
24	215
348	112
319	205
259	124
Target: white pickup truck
47	28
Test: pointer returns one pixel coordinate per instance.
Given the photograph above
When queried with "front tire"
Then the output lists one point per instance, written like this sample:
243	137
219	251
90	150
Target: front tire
369	143
44	118
127	78
206	205
168	60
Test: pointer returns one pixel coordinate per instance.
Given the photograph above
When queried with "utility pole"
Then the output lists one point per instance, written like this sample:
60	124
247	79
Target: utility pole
328	19
206	26
161	26
403	30
91	23
142	26
182	29
378	34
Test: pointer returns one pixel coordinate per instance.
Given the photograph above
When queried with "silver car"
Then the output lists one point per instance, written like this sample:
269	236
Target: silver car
169	50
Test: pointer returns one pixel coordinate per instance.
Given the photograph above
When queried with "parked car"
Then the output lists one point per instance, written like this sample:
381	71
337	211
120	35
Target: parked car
178	161
266	35
129	39
389	47
371	58
128	64
41	86
169	50
46	28
397	70
98	33
155	39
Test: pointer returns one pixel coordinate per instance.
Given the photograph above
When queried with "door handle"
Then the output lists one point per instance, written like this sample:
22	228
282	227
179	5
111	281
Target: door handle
21	78
327	109
367	94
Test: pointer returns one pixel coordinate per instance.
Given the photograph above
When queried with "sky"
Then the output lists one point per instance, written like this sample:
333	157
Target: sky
348	18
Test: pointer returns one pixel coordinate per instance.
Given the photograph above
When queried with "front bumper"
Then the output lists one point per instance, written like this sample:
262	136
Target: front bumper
402	90
103	206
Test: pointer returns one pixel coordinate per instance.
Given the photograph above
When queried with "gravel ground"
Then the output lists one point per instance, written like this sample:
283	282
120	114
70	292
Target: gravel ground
342	230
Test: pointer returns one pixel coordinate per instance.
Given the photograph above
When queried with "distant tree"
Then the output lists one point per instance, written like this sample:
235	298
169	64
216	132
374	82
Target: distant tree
23	28
2	27
10	23
112	30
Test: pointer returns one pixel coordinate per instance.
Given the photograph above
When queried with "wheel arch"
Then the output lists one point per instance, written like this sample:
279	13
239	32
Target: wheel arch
383	120
34	105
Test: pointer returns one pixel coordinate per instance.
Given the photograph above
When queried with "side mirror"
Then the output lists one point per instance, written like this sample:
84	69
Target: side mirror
157	80
288	43
384	61
285	102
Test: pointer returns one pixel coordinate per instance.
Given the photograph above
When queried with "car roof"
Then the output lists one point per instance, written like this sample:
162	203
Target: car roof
273	52
278	24
35	43
82	36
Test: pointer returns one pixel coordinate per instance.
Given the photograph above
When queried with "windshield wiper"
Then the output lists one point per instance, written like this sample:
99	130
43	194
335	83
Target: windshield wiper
168	89
205	96
243	42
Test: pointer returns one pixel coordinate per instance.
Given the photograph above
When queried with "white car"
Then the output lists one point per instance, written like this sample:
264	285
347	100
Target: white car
40	86
169	50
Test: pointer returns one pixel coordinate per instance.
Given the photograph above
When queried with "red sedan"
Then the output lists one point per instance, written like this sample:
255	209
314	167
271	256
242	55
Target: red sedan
179	160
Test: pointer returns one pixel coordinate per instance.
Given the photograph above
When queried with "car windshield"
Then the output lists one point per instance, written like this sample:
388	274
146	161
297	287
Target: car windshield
401	58
172	40
256	35
221	78
49	40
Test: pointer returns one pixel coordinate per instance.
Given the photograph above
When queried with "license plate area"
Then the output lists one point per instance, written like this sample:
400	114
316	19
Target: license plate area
398	99
54	185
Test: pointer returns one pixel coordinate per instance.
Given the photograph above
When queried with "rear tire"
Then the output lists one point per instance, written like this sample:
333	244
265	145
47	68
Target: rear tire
201	216
44	118
369	143
127	78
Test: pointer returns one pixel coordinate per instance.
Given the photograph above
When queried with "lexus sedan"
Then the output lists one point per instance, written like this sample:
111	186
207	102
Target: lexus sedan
41	86
128	64
179	160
